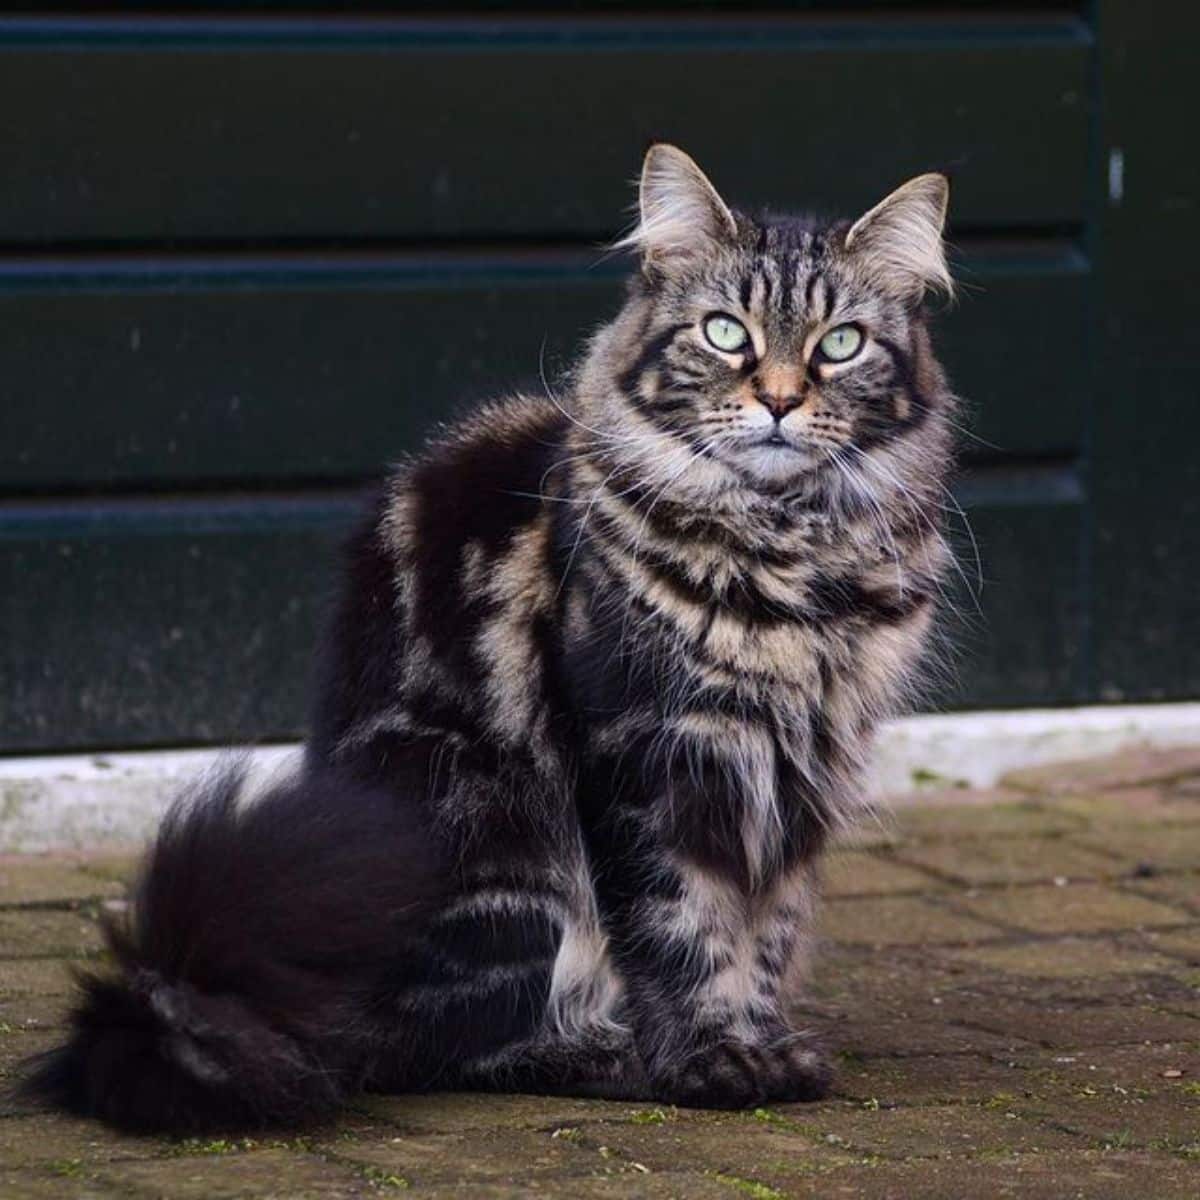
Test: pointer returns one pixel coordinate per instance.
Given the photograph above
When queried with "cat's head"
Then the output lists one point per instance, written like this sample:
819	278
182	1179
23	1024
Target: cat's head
772	350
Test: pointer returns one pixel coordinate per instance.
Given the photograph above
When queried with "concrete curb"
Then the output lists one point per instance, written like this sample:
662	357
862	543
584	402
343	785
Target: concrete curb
91	801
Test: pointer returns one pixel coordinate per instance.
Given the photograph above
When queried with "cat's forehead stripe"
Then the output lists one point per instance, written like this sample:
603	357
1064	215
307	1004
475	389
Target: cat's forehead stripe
788	270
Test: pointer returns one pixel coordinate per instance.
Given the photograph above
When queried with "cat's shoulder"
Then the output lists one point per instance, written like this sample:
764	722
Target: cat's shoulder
479	478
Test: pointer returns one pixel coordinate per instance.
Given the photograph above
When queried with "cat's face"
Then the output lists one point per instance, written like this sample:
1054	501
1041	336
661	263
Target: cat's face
780	348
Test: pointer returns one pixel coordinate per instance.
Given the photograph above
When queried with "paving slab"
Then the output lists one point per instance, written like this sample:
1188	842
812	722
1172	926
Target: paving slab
1069	908
1120	1121
452	1112
475	1156
1061	1175
36	977
980	861
760	1150
16	1048
1180	943
1167	1071
1066	958
857	873
113	867
901	920
886	971
1011	815
64	1184
1134	806
45	932
39	1139
1148	850
1127	768
60	880
973	1077
1178	990
264	1174
929	1131
1182	890
28	1012
1060	1023
930	1034
661	1185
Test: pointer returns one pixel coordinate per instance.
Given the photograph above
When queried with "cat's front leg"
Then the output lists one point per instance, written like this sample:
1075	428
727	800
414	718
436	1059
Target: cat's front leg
709	1009
703	952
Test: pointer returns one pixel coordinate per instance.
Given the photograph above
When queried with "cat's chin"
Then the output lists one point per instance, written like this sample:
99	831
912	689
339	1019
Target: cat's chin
776	464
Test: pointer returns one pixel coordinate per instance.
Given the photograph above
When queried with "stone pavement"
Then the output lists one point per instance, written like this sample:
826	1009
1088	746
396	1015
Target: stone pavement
1011	979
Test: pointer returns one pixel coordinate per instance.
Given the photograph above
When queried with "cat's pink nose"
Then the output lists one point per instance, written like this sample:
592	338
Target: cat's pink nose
779	406
779	386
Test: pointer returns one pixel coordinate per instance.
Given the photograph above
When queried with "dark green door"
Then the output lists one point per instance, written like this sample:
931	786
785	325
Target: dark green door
247	259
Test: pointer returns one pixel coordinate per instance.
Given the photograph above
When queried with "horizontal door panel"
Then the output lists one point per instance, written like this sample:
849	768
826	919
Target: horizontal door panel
192	621
171	623
1013	623
161	129
135	372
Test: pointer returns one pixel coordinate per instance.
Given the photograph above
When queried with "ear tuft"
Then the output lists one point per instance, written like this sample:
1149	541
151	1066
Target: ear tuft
680	212
900	240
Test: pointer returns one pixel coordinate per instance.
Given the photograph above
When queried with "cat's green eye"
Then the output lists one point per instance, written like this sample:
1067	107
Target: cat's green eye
842	343
726	333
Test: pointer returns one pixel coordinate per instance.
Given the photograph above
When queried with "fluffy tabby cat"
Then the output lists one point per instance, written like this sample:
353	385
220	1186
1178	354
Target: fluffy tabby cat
603	680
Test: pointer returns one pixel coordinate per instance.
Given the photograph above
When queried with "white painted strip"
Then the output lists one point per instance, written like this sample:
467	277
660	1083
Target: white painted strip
110	800
84	801
976	749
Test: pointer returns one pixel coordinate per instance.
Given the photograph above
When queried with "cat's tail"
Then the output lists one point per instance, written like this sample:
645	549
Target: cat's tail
256	935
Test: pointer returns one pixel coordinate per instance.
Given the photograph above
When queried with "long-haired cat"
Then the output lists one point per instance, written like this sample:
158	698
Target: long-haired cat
603	680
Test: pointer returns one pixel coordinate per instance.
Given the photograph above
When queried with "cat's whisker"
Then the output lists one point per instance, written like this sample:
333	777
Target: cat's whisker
602	452
881	522
583	520
946	598
607	436
969	433
654	501
955	507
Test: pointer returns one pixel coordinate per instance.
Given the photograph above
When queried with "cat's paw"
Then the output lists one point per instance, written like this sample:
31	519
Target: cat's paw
737	1074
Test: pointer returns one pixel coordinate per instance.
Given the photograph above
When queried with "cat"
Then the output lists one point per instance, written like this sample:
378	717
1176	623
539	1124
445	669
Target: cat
601	684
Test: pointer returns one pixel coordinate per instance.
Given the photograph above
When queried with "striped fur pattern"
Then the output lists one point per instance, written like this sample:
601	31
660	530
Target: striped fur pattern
623	650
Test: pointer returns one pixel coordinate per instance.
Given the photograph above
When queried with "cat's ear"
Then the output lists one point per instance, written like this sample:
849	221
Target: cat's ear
899	241
681	215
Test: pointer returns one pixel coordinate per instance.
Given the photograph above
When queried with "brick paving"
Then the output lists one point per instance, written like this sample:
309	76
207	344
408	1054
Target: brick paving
1011	979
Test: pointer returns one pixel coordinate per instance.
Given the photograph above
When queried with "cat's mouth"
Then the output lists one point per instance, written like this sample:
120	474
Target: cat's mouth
776	441
774	456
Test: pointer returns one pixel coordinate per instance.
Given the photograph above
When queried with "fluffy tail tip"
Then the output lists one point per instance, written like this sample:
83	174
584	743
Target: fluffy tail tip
146	1056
